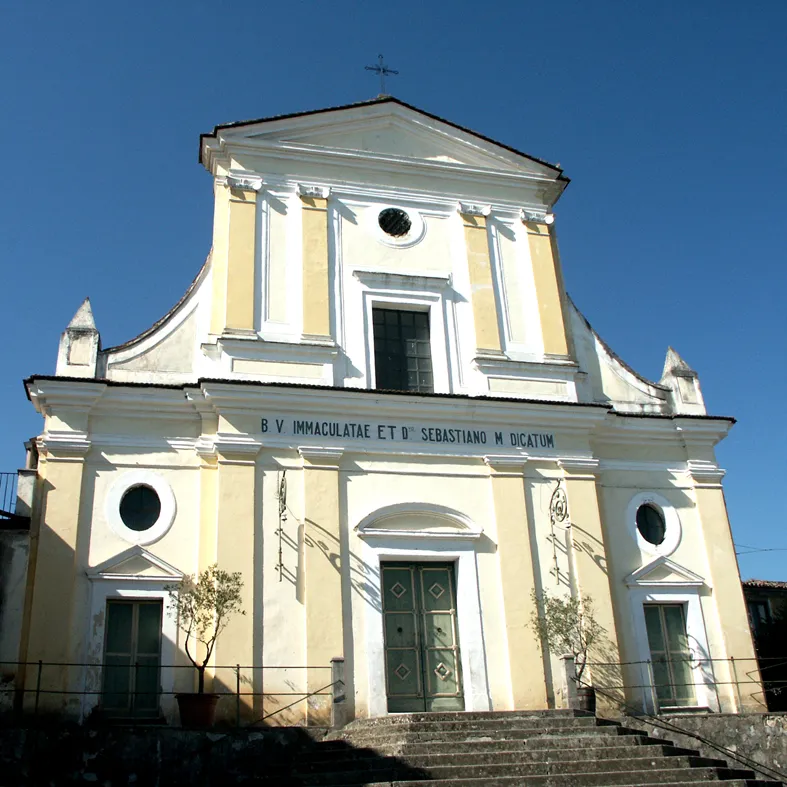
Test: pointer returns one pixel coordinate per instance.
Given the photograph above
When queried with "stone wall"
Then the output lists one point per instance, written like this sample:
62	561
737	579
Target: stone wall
143	757
761	737
14	548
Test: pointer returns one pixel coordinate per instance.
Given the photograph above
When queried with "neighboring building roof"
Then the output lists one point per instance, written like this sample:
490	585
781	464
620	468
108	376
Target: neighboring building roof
769	584
372	102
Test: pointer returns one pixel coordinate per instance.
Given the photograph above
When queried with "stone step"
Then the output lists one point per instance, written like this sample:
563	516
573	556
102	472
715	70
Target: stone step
447	725
516	781
316	761
505	766
407	747
474	736
405	718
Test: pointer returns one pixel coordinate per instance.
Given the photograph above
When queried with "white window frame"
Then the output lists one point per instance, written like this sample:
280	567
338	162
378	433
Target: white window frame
107	585
166	517
404	291
687	595
673	531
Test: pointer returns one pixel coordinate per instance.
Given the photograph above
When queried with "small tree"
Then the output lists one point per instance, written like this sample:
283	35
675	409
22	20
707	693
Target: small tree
567	626
203	608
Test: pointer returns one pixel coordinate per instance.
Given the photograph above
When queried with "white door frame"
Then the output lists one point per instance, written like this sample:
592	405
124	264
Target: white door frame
456	548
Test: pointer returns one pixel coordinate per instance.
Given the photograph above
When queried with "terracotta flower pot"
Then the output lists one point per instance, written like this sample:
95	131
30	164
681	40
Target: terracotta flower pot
197	711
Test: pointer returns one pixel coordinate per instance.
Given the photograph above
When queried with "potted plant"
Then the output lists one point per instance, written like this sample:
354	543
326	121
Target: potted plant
203	607
568	627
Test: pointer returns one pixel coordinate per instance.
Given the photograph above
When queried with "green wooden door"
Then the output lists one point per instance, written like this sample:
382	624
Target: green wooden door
422	664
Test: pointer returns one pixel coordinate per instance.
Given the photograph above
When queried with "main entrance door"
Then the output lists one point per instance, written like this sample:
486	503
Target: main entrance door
422	664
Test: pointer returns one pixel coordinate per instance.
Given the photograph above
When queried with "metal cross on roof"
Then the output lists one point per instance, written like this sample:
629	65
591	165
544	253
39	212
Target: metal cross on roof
383	71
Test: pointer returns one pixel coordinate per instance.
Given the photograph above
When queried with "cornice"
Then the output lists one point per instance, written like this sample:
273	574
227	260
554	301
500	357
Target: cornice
46	394
564	416
378	163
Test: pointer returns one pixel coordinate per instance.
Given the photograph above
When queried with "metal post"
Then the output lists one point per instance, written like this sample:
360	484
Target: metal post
237	695
38	684
737	685
339	696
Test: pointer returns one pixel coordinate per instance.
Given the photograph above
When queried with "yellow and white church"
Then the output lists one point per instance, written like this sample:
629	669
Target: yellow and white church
377	403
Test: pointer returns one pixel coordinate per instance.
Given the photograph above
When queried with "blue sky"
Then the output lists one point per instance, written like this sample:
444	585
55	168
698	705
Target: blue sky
668	117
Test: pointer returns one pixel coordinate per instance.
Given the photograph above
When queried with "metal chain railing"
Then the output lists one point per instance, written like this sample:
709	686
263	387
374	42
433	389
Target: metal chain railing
37	685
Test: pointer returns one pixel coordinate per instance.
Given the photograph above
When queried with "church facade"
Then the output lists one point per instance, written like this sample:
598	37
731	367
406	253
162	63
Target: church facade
377	403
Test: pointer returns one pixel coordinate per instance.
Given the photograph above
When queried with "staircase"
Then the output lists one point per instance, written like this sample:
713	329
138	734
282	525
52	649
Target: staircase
499	749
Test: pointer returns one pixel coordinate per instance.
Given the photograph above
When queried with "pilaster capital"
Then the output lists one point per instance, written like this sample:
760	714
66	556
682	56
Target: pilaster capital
503	465
235	448
245	182
311	190
64	444
320	458
535	216
474	209
703	473
579	467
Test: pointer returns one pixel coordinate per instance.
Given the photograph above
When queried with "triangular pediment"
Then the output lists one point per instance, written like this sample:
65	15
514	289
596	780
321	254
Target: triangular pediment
136	563
386	128
663	572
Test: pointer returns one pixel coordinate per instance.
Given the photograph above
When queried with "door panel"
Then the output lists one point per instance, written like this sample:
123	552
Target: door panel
421	645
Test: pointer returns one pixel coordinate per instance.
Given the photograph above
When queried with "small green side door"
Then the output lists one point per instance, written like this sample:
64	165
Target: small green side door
422	663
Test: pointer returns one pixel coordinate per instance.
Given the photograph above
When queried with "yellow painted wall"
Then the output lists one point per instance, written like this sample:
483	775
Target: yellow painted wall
236	550
727	590
241	282
219	257
323	586
528	682
316	284
547	275
51	638
481	283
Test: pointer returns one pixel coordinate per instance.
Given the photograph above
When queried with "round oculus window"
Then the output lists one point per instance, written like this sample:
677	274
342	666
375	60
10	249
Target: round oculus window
394	222
650	524
140	508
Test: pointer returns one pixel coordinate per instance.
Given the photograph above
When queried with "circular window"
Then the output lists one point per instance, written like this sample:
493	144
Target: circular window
394	222
654	523
650	524
140	508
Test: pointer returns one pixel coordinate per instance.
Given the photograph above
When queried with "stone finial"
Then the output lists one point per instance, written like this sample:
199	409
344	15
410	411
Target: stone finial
673	361
79	345
684	383
83	319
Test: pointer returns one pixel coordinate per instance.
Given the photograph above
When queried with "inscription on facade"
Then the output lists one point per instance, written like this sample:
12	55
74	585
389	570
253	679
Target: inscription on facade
353	430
